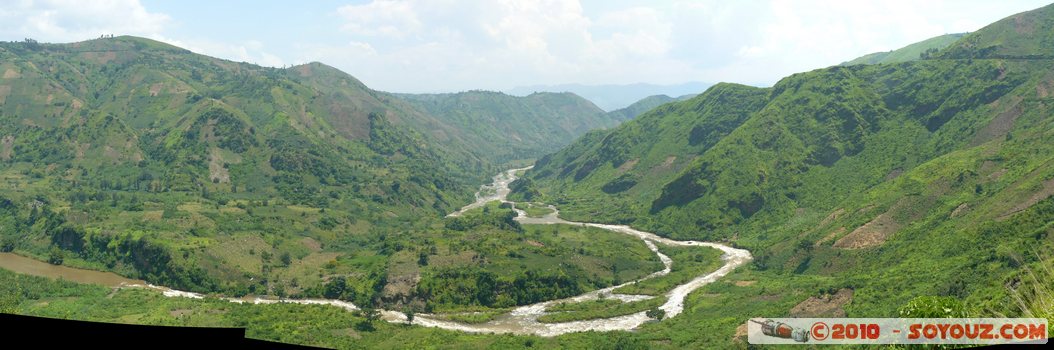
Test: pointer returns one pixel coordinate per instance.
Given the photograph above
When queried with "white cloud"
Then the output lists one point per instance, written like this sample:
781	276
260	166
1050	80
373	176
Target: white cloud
451	45
72	20
384	18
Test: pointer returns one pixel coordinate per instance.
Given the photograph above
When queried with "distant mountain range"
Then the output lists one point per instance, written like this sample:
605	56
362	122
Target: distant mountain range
612	97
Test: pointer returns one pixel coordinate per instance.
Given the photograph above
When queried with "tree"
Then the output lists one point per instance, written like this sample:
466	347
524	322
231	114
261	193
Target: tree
370	315
56	255
409	316
656	313
286	259
8	244
335	288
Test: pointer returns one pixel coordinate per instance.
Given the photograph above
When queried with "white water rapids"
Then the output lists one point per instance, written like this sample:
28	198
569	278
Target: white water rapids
524	319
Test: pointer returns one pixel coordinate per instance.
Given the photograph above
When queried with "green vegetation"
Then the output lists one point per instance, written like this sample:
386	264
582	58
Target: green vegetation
689	263
928	178
314	325
644	105
602	308
536	210
487	259
917	188
133	156
509	127
917	51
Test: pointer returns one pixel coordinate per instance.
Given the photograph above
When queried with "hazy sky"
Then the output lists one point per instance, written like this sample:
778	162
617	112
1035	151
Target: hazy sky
447	45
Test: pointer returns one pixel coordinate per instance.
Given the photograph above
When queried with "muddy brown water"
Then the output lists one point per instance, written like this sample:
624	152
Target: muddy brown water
30	266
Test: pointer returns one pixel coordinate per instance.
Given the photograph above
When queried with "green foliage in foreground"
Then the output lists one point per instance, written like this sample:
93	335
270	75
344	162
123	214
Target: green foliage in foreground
313	325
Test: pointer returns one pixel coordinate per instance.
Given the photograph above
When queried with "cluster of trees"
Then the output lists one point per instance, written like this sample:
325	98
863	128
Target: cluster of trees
501	219
477	286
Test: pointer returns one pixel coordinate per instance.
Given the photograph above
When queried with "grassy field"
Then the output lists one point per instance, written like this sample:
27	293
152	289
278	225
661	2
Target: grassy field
535	210
602	308
688	263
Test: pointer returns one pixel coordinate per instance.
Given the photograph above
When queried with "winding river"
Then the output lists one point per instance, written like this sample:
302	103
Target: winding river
521	320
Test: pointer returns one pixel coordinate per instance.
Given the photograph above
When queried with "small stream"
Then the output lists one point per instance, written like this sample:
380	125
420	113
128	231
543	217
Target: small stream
521	320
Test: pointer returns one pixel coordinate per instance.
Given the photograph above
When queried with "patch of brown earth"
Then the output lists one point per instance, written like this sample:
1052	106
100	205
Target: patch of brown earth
180	312
998	174
1001	124
745	283
741	333
830	236
535	243
155	89
668	162
100	57
824	306
1044	87
894	174
217	173
311	244
79	149
112	154
76	104
1047	190
11	74
832	217
400	287
962	208
627	166
1024	24
871	234
7	147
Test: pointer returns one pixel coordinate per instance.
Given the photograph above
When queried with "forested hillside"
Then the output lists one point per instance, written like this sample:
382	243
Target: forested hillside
505	128
932	175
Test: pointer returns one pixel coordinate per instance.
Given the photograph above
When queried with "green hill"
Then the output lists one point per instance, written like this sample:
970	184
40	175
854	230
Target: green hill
1021	36
507	127
928	177
644	105
911	52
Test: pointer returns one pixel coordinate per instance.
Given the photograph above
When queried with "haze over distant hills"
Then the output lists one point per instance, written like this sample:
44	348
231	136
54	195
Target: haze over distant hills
612	97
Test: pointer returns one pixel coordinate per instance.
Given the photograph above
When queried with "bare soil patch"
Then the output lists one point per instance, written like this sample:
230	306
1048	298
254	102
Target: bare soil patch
960	210
871	234
830	236
1046	191
627	166
826	305
7	147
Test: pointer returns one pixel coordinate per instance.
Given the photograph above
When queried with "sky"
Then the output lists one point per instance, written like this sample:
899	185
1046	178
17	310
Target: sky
456	45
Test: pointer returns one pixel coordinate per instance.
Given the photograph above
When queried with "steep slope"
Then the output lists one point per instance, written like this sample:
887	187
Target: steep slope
932	176
1022	36
644	105
503	127
916	51
145	158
